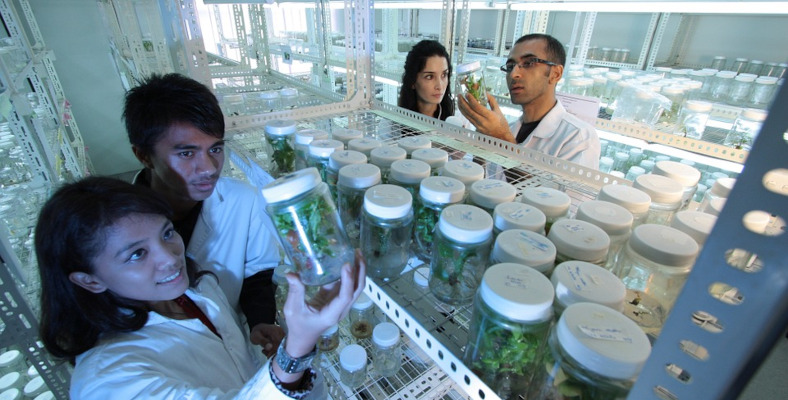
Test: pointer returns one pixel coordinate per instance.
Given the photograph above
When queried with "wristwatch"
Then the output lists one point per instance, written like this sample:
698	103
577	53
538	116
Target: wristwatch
293	365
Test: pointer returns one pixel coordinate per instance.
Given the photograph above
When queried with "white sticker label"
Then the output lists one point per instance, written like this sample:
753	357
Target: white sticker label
601	333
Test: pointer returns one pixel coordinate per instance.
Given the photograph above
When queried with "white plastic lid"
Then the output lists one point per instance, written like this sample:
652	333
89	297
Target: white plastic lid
754	114
698	106
32	372
715	206
488	193
552	202
441	190
364	145
363	302
579	240
233	98
579	281
756	221
324	147
269	95
385	334
517	292
409	172
718	175
613	76
469	67
331	330
34	387
306	136
598	79
280	127
756	62
353	357
466	172
766	80
10	379
726	74
291	185
660	188
664	245
747	78
384	156
672	90
465	223
648	165
339	159
516	215
436	158
603	340
10	357
359	176
288	91
525	247
388	201
605	161
45	396
421	276
11	394
345	135
694	223
612	218
621	156
684	174
412	143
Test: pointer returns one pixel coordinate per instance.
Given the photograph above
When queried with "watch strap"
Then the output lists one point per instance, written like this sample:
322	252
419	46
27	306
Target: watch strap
292	365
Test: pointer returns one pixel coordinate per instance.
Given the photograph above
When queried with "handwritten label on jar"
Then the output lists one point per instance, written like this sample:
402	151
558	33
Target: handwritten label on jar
534	244
601	333
516	281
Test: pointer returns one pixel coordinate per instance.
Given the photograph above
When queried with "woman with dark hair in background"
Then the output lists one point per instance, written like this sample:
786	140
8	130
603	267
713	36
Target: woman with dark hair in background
425	82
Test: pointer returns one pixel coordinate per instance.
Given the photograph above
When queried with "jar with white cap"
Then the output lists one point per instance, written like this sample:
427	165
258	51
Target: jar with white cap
470	79
676	95
289	97
684	174
384	156
270	101
319	154
337	160
517	215
596	353
279	136
694	223
408	174
654	266
718	62
721	86
329	339
15	380
745	129
421	284
464	171
364	145
583	282
580	86
12	360
634	172
436	158
32	372
45	396
386	351
524	247
362	317
763	91
553	203
413	143
647	165
620	161
512	313
308	225
488	193
352	182
721	188
740	90
35	387
692	119
666	196
612	218
715	206
579	240
345	135
435	194
386	230
302	140
11	394
353	363
460	252
739	65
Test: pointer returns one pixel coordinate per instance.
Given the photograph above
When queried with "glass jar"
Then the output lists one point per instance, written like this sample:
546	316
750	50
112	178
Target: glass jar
579	240
676	95
464	171
233	104
470	79
739	65
580	86
524	247
460	251
721	86
553	203
763	91
270	101
386	230
583	282
308	225
279	136
352	183
745	129
595	353
654	265
516	215
647	165
302	140
740	91
11	361
384	156
620	161
362	317
684	174
45	396
386	353
615	220
435	158
336	161
345	135
692	119
329	339
721	188
696	224
754	67
599	86
353	363
289	97
605	164
13	380
34	387
488	193
512	312
413	143
435	193
364	145
666	195
719	62
634	172
280	294
409	174
319	154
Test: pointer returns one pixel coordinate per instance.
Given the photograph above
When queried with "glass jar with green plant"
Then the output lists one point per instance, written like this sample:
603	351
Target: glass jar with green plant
436	158
352	182
470	80
386	230
302	140
435	193
337	160
279	137
320	153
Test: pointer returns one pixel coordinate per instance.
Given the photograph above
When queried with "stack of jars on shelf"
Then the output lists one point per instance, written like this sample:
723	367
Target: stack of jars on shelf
19	379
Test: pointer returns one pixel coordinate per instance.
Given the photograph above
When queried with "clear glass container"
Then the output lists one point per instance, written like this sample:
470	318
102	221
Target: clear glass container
517	215
308	225
739	65
364	145
606	164
718	62
435	193
413	143
721	188
13	380
606	54
329	339
409	174
696	224
654	265
594	353
384	156
763	91
464	171
721	86
345	135
270	101
512	313
336	161
579	240
352	183
435	158
583	282
280	294
620	161
612	218
470	79
12	361
34	387
279	136
648	165
745	129
302	140
740	90
754	67
460	253
386	351
386	230
362	317
520	246
684	174
488	193
289	97
553	203
666	195
580	86
320	153
353	363
676	95
11	394
692	119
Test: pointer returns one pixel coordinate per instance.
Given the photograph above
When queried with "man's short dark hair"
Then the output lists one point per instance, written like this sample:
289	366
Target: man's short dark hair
555	49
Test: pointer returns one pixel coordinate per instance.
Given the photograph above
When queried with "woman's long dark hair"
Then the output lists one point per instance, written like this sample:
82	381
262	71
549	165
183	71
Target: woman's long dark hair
71	231
415	63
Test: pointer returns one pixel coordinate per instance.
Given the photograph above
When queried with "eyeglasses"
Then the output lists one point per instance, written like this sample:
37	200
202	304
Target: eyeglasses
527	63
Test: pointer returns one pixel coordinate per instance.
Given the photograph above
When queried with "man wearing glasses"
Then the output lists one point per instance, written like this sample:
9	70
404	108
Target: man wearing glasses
535	65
